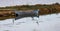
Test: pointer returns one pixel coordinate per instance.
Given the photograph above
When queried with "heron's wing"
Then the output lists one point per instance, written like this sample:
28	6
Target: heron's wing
19	17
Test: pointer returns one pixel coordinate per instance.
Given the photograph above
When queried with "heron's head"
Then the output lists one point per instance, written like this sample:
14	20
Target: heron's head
36	12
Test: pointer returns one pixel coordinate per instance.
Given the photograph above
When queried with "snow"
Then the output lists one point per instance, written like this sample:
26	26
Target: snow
46	23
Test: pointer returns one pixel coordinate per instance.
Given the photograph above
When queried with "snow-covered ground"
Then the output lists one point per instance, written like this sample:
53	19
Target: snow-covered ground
46	23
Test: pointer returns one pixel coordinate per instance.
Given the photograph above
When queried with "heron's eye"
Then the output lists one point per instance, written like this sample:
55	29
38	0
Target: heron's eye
16	15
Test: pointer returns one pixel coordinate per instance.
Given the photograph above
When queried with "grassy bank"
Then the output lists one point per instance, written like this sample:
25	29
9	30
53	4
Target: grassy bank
44	9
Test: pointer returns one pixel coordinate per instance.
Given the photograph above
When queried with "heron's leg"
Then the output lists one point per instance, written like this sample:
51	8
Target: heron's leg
37	22
13	21
32	18
37	19
38	16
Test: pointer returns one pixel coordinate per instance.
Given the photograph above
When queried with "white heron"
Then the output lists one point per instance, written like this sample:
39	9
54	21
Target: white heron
22	14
